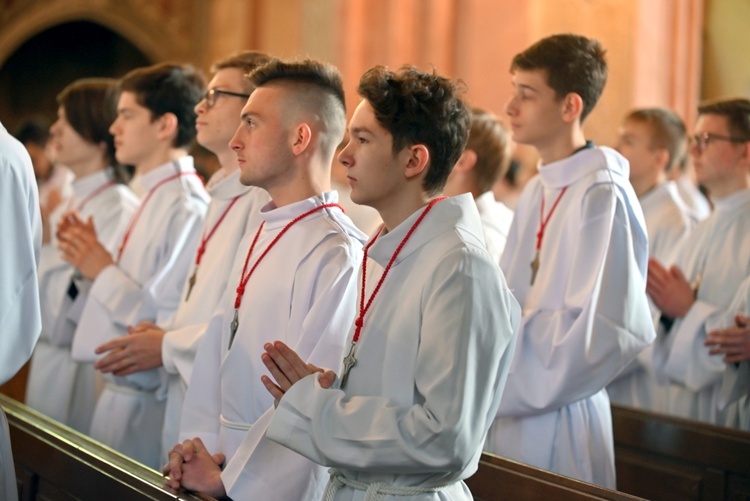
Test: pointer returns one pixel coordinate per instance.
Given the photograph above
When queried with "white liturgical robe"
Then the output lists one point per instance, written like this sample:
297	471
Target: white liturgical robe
668	222
431	365
301	293
59	387
716	257
585	317
211	281
146	284
20	317
496	219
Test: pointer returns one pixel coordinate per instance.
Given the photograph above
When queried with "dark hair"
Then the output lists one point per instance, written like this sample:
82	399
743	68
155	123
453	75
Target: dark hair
573	63
246	61
35	130
317	87
736	111
420	108
667	131
488	138
168	88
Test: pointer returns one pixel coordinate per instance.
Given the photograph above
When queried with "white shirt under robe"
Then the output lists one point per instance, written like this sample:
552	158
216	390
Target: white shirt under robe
431	364
146	284
718	250
668	222
585	318
20	317
302	293
496	219
212	280
695	200
59	387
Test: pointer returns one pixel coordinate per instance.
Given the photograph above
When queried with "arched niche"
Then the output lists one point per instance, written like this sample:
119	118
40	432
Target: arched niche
41	66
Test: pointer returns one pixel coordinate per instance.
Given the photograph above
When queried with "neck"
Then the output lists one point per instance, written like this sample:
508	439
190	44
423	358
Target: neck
562	146
644	185
160	158
88	167
728	187
309	181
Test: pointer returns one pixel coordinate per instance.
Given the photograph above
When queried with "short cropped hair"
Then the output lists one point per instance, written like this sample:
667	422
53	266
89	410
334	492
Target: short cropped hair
245	61
667	132
90	108
169	88
319	89
736	111
488	138
420	108
573	63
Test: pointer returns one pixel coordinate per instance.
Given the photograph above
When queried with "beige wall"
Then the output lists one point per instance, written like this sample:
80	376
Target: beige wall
726	45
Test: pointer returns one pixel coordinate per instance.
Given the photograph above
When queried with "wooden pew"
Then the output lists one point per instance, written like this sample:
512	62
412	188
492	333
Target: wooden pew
502	479
661	457
54	462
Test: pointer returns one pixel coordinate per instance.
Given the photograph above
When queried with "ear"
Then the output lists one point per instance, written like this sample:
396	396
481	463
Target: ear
302	135
662	158
572	107
466	161
168	126
419	157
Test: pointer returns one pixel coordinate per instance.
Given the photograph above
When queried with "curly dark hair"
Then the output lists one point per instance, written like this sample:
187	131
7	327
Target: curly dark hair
169	88
420	108
573	63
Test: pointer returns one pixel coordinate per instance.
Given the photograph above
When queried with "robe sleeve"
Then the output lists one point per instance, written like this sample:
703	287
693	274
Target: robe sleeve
20	234
179	349
462	361
571	353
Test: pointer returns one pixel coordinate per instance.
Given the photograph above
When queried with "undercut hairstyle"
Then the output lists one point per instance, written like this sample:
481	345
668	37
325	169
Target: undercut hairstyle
317	91
169	88
737	113
572	63
420	108
488	138
667	132
246	61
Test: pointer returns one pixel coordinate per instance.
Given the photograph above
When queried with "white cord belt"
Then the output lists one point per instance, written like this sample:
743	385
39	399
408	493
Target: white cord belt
234	425
373	491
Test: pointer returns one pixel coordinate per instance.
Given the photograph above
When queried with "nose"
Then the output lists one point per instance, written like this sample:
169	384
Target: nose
113	127
201	106
511	107
235	143
345	157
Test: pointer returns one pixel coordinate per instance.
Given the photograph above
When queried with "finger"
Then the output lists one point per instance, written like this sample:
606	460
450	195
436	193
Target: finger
741	320
120	342
219	458
272	360
116	366
272	388
188	449
327	379
677	274
296	364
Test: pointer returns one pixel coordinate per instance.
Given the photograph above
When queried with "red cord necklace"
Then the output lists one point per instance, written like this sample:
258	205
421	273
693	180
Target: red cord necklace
246	275
540	234
202	248
350	359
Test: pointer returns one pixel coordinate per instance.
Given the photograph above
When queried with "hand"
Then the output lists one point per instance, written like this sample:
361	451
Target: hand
732	342
140	350
287	368
192	467
669	289
80	246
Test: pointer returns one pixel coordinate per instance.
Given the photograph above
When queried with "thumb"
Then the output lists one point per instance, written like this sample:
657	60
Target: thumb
327	379
677	273
219	458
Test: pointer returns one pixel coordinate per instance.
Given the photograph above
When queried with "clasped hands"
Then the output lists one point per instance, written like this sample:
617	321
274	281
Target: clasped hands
192	467
732	342
80	246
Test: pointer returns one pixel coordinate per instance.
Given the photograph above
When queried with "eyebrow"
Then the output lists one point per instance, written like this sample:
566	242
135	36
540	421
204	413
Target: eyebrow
359	130
526	87
248	114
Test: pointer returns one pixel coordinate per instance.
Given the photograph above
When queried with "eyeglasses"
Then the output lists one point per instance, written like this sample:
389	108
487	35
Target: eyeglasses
701	141
211	95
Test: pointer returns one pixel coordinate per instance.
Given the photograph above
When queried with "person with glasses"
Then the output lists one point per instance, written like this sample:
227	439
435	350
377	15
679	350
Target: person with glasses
698	290
654	141
233	211
143	278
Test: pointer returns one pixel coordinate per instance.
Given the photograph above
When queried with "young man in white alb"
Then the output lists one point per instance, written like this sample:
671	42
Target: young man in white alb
143	279
293	278
484	160
576	260
653	140
58	386
709	270
234	210
431	345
